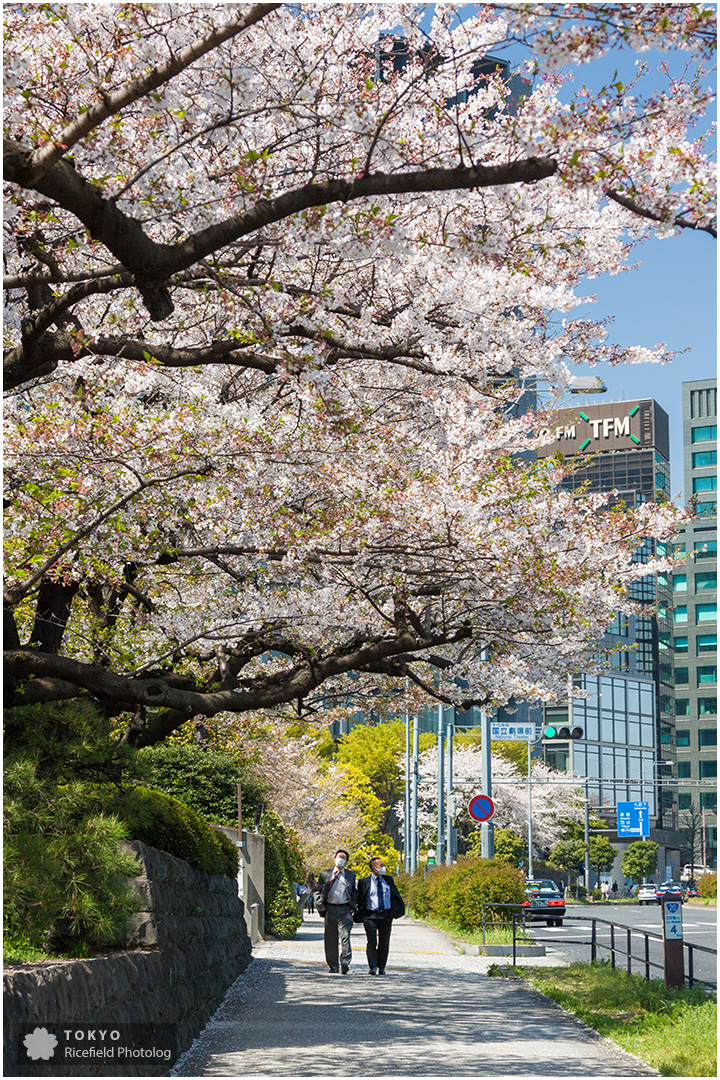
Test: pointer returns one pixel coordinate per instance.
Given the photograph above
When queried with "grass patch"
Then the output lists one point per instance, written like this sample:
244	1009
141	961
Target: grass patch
675	1031
500	935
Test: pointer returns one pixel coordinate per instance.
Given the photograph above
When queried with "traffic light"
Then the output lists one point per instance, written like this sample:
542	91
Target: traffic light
452	806
564	733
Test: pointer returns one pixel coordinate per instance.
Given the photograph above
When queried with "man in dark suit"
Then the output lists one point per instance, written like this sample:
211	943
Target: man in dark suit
336	900
379	903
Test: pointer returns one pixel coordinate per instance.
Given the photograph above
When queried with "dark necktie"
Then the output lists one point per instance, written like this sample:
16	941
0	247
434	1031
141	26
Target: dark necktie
381	898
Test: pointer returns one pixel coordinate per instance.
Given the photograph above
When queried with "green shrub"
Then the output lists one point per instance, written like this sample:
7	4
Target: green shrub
206	780
166	823
66	741
283	867
414	891
66	878
457	893
473	883
707	886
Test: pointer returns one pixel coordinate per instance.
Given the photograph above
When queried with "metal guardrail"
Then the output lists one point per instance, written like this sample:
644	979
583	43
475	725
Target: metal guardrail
616	950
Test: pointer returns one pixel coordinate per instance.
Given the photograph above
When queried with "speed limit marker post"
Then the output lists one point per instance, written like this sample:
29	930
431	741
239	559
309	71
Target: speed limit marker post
673	943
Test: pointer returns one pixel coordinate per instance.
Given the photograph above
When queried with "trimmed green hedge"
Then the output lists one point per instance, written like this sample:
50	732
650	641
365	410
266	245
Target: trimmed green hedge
166	823
283	867
205	779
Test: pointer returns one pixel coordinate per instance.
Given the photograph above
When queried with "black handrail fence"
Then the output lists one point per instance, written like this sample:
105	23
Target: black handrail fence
621	953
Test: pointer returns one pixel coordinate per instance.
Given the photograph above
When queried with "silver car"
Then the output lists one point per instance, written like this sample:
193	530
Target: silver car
647	894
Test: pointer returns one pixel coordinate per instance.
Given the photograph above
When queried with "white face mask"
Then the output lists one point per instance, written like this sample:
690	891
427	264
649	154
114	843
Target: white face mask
380	870
339	861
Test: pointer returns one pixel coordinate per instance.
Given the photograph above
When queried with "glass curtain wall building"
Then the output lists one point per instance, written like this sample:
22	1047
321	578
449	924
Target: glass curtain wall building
627	749
695	627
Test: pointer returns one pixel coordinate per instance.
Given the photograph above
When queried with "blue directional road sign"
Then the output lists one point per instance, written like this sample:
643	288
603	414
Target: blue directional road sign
481	808
633	819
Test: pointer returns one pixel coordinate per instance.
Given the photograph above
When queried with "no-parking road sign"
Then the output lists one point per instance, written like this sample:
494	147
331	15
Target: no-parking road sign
481	808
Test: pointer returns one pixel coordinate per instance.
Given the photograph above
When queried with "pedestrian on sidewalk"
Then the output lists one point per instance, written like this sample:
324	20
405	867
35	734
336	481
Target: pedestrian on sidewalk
336	900
312	885
605	890
379	902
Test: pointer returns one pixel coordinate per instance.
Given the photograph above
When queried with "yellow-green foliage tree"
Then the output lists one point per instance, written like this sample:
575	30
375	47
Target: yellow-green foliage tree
378	751
358	792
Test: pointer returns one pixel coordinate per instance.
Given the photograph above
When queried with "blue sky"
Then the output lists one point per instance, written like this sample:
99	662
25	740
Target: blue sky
672	297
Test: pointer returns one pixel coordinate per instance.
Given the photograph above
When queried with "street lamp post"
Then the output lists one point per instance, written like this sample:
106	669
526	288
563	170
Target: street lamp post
441	788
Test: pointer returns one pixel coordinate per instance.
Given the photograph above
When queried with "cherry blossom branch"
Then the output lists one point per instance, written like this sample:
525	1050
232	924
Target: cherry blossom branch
26	667
47	156
676	222
153	263
16	593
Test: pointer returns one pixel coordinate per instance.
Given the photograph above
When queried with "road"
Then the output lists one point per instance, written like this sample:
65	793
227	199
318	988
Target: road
699	928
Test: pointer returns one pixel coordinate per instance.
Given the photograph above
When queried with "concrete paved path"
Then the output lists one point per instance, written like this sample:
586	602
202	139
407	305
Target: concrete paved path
435	1013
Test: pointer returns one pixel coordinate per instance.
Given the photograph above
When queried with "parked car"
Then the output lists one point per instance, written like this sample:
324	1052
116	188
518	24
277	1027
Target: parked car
671	890
544	900
691	872
691	888
647	894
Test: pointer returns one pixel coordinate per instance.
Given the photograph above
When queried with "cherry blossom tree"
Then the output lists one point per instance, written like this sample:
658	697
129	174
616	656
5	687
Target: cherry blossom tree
326	802
272	303
554	803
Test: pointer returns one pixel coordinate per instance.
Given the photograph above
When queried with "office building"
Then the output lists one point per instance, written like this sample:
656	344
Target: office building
628	746
694	639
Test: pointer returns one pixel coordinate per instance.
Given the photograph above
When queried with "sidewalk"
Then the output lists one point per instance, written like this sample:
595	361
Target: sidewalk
436	1013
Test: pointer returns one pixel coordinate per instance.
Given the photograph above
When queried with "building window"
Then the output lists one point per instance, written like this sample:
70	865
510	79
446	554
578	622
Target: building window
684	801
680	582
707	737
704	434
706	509
707	706
682	706
681	644
704	459
708	769
707	674
681	676
680	614
683	736
684	770
706	643
705	549
706	580
704	483
708	800
705	613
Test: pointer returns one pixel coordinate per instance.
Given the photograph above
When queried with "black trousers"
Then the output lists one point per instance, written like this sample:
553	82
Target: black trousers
377	929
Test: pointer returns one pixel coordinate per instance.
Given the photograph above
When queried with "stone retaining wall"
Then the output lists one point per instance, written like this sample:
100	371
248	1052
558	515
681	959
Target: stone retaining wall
192	944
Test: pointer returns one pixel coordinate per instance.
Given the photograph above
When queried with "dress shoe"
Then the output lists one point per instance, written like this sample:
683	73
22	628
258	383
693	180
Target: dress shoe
372	971
333	971
345	968
381	971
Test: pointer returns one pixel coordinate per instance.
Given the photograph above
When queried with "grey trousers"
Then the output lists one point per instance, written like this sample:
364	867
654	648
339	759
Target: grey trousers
338	924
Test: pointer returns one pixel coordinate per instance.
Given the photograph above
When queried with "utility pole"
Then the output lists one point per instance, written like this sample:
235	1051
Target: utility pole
587	836
487	833
406	821
450	829
440	847
531	871
414	795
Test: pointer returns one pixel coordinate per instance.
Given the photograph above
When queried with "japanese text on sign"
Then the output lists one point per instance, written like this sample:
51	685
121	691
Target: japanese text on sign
509	732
